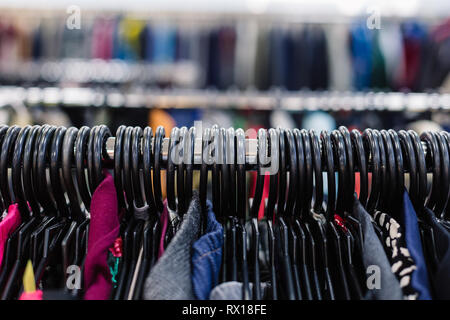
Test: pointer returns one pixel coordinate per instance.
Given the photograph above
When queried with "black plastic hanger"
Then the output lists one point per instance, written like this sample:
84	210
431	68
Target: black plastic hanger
75	209
270	208
229	218
318	218
282	233
126	271
16	173
170	174
27	169
254	210
447	208
140	208
118	145
150	240
3	130
411	165
336	253
362	166
136	160
100	155
58	185
373	153
81	146
6	154
294	251
304	260
126	168
240	222
309	187
310	241
90	158
159	138
216	171
381	204
301	174
341	157
181	172
329	161
147	167
189	144
203	192
421	171
400	172
444	178
389	199
350	189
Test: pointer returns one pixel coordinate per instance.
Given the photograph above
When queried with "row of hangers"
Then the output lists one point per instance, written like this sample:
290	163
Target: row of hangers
55	170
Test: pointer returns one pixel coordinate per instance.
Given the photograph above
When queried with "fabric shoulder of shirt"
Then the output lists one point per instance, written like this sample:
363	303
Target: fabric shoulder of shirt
441	277
232	290
7	226
207	257
388	287
170	278
419	279
402	265
103	231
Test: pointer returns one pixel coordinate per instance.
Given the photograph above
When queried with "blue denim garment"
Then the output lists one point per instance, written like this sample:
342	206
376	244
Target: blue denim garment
207	257
419	279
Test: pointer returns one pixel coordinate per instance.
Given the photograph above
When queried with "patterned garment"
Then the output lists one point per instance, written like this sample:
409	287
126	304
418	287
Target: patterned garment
402	264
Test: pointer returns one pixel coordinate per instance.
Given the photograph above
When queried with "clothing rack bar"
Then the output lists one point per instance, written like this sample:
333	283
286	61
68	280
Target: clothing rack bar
251	149
233	99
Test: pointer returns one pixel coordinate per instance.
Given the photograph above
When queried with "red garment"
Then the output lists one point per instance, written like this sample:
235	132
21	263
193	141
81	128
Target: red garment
35	295
103	231
7	226
338	220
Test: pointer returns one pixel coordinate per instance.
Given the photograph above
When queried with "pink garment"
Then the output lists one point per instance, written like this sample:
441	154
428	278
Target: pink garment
7	226
36	295
103	231
164	218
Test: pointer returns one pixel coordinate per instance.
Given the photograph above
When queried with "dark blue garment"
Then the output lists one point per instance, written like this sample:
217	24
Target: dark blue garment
207	257
361	49
419	279
441	276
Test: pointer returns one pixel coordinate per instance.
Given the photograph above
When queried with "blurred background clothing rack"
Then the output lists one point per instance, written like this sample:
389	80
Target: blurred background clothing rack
234	99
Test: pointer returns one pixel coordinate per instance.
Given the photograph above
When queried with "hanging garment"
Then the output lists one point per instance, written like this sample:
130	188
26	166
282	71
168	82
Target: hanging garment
207	257
170	278
232	290
374	255
419	279
441	276
361	49
103	232
391	45
29	285
339	60
7	226
402	265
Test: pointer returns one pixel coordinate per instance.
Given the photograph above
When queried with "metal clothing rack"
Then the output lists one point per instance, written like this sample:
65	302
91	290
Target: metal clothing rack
232	99
251	152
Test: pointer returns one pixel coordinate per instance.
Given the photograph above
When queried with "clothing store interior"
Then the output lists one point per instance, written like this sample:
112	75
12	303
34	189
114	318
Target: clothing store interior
225	150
